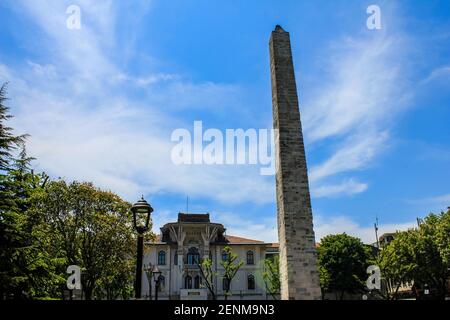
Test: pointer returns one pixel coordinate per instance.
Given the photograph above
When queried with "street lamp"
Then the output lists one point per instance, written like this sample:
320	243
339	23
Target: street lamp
141	217
149	271
156	276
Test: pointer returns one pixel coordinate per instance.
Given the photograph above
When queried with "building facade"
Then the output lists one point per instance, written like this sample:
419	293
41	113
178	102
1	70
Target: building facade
182	244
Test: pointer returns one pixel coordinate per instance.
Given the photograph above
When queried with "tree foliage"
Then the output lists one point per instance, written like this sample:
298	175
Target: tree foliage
343	261
26	271
8	141
46	226
205	267
231	266
271	276
420	256
90	228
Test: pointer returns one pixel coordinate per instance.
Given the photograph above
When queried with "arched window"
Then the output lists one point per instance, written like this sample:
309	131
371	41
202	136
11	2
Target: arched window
250	257
197	282
162	258
162	283
251	282
225	284
193	257
224	255
188	282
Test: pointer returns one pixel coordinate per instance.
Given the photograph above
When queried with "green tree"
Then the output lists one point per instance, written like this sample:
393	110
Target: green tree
421	255
26	270
205	267
271	276
433	257
396	264
418	255
91	228
8	141
11	237
343	261
231	266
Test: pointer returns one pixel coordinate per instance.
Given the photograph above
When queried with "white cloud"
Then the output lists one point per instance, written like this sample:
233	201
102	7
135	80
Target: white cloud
340	224
80	52
146	81
84	126
434	203
355	107
364	88
125	147
263	229
347	187
440	72
160	218
354	154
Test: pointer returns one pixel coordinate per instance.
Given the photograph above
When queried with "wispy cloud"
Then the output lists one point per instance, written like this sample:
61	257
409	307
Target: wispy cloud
354	154
85	125
441	72
433	203
355	108
347	187
88	121
265	229
340	224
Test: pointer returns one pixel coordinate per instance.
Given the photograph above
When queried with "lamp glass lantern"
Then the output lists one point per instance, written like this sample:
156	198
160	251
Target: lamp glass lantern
156	273
141	215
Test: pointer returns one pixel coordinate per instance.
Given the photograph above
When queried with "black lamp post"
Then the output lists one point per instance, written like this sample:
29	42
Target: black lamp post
156	277
141	217
149	271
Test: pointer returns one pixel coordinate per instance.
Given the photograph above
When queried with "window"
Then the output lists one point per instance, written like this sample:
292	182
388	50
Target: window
226	284
250	257
193	257
162	258
197	282
224	255
188	282
162	283
251	282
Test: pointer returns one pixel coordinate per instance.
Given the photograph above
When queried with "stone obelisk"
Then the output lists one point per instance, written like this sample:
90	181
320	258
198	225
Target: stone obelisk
298	259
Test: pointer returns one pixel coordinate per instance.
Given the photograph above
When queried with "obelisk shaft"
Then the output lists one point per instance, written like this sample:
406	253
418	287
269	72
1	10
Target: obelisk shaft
298	260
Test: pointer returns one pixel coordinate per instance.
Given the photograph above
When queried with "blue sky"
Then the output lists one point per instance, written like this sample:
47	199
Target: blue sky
101	102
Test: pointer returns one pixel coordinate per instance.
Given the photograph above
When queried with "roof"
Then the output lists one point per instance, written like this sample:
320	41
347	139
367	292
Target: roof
233	240
240	240
193	217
